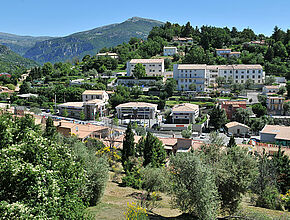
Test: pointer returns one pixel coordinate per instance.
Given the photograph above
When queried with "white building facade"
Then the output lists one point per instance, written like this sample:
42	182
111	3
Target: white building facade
185	113
153	67
137	110
95	94
205	75
169	51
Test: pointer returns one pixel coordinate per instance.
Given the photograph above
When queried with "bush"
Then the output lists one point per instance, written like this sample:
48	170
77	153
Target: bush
270	199
135	212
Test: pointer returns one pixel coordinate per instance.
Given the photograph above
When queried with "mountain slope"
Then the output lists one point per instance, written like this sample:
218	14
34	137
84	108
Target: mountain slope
11	61
89	42
20	44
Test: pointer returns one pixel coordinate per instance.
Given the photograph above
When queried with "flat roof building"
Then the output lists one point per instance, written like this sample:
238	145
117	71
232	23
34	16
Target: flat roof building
276	134
137	110
153	67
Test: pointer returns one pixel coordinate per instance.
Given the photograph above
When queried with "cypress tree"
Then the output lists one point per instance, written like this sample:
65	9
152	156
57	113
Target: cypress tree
49	128
232	142
128	145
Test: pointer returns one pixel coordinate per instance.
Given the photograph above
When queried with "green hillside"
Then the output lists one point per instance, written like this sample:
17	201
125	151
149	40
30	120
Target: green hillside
90	42
19	44
11	61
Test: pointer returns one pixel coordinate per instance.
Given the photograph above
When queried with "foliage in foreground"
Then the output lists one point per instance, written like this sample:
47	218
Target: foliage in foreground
42	178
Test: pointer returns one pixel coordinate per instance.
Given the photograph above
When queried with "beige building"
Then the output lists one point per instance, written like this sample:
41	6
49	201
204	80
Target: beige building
95	94
185	113
277	134
275	104
270	89
237	128
153	67
108	54
137	110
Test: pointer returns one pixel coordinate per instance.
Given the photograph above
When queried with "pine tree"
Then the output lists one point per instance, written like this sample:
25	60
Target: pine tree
154	152
128	145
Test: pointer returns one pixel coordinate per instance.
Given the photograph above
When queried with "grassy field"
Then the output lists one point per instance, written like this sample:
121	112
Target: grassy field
116	198
171	103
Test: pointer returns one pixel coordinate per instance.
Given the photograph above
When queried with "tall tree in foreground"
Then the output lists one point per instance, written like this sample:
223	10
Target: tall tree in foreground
154	152
139	71
193	186
49	128
218	117
128	145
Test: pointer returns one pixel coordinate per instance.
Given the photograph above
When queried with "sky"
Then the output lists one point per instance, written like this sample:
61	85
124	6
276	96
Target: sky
64	17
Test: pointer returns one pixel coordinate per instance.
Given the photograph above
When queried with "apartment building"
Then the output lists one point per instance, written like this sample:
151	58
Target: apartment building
227	53
270	89
205	75
137	110
153	67
275	104
231	106
185	113
95	94
169	51
186	74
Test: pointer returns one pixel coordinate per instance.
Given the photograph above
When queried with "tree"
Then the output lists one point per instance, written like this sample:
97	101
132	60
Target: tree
262	99
25	88
170	86
220	81
269	54
187	133
282	90
280	50
65	113
242	115
128	146
232	142
139	71
269	80
218	117
192	87
193	186
82	115
50	129
249	83
154	152
286	107
259	109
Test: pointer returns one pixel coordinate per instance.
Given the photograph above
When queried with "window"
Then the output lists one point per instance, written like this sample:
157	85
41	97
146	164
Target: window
185	80
253	71
242	81
230	71
259	81
237	77
181	80
248	71
259	71
189	75
189	80
237	71
242	76
236	81
181	71
259	76
253	76
248	77
225	71
159	70
186	71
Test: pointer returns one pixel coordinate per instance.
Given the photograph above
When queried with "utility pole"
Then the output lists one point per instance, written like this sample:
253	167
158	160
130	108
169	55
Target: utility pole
55	102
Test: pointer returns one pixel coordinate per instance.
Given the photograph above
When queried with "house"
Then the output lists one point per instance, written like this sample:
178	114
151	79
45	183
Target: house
270	89
182	40
81	131
231	106
237	128
153	67
185	113
169	51
227	53
137	110
95	94
275	104
108	54
276	134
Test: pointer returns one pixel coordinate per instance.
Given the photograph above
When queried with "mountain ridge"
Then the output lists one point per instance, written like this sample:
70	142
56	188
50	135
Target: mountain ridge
91	41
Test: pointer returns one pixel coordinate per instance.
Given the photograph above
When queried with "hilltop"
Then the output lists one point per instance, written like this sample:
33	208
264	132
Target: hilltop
11	61
91	41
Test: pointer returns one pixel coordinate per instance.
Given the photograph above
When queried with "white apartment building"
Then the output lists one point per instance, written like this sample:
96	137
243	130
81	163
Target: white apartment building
169	51
205	75
137	110
185	113
153	67
227	53
95	94
186	74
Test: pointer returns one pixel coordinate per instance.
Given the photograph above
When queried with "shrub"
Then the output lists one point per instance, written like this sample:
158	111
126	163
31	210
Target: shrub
270	198
135	212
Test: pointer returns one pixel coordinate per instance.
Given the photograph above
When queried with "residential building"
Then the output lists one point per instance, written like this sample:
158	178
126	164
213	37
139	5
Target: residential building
169	51
81	131
185	113
280	79
108	54
153	67
91	109
95	94
186	74
231	106
237	128
205	75
275	104
270	89
137	110
227	53
182	40
131	81
276	134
